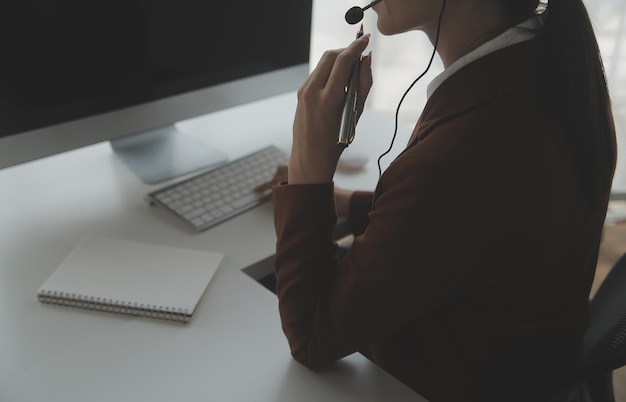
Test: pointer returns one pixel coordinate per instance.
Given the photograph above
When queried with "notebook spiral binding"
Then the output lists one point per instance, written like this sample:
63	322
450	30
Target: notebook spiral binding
113	306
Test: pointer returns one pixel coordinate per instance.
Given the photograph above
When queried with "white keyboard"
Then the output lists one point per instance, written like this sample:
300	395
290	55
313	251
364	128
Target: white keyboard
212	197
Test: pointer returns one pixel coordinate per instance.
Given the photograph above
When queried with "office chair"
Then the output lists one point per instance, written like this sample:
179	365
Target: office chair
604	344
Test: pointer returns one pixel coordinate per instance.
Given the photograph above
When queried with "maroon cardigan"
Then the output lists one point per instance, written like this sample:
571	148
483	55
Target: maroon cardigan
469	279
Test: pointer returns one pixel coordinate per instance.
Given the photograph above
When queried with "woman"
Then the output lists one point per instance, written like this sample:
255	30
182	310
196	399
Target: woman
470	271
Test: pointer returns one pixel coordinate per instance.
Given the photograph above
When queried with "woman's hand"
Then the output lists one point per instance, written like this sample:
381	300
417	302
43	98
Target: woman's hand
315	152
280	175
342	196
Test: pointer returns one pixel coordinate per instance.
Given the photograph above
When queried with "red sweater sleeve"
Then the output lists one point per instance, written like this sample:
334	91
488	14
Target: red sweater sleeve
331	308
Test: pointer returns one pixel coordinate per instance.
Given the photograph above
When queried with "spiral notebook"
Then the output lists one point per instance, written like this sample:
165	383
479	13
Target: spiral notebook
134	278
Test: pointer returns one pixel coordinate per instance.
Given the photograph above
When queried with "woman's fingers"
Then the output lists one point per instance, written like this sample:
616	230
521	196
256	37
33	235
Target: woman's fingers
279	176
365	82
319	76
342	68
334	67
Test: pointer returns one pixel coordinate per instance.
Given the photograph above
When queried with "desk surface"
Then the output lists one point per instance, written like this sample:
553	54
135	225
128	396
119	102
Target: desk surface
233	349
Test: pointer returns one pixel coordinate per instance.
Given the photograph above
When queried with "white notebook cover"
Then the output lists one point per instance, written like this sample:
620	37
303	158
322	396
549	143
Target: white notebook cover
130	277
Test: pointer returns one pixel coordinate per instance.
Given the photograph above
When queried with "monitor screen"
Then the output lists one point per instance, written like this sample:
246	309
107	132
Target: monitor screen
76	73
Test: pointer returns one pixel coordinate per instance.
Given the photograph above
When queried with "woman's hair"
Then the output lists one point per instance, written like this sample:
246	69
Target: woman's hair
577	90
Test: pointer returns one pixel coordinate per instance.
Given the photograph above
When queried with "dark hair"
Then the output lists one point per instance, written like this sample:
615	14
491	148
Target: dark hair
577	88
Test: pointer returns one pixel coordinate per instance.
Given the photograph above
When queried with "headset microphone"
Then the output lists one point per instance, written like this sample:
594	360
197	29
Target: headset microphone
355	14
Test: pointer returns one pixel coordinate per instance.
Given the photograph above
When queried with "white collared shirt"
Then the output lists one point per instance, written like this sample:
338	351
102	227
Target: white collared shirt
522	32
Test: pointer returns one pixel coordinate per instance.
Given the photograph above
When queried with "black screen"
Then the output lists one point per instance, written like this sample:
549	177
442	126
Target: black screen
67	59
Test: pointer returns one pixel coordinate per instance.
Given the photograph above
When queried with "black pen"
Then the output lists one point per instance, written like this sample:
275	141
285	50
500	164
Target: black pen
348	120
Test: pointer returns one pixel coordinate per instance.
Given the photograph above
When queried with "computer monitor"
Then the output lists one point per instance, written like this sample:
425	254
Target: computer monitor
75	73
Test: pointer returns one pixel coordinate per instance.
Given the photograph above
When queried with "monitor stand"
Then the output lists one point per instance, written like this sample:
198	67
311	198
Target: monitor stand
164	153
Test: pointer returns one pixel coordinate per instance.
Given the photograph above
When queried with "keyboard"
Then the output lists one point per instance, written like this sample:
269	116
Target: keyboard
211	197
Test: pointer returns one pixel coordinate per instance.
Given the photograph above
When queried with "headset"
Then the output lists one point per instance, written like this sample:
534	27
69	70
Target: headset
355	15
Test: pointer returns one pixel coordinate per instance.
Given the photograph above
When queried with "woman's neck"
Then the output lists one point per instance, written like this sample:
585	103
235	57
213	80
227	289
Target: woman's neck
464	28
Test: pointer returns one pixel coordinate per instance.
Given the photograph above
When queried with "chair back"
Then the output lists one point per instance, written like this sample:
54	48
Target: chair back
604	344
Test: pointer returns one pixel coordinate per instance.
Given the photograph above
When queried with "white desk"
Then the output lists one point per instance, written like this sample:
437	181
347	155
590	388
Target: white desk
233	349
